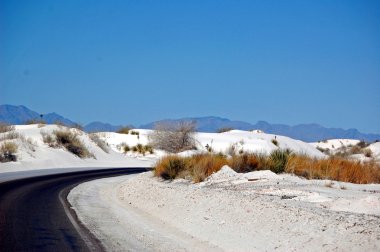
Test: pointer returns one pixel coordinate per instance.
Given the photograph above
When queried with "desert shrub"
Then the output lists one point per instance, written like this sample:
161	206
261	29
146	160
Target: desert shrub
126	148
123	130
136	133
278	160
209	148
170	166
356	149
362	144
72	143
34	121
199	167
275	142
203	165
149	148
323	150
8	152
173	138
10	135
367	153
5	127
231	150
99	142
334	168
226	129
244	163
142	149
48	139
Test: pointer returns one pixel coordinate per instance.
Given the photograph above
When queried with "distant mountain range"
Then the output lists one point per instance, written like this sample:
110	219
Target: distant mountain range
305	132
21	114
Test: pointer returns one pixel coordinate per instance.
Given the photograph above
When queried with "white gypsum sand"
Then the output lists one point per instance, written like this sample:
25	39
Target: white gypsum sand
33	153
228	212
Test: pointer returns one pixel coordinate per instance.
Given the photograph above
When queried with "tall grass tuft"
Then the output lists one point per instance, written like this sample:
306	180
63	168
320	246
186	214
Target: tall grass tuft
278	160
72	143
8	152
170	166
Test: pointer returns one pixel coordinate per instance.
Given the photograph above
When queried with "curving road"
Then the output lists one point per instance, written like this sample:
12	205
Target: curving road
35	215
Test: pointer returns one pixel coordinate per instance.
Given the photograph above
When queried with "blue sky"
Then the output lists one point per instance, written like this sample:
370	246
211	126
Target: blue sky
138	61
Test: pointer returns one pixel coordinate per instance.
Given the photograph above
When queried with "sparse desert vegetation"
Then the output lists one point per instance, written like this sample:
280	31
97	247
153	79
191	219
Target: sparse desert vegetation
8	152
123	130
72	143
199	167
222	130
68	140
5	127
173	138
139	148
99	142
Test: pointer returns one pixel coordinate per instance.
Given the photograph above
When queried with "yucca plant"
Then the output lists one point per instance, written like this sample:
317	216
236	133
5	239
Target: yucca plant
278	160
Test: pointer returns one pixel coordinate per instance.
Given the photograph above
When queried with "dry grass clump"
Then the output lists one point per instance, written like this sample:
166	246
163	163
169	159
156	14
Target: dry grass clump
199	167
139	148
368	153
170	166
226	129
334	169
35	121
99	142
8	152
173	138
71	142
244	163
5	127
123	130
274	141
10	135
68	140
48	139
203	165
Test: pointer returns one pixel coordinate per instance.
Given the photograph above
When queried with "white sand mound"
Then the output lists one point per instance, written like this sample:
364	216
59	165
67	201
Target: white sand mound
367	205
225	174
260	175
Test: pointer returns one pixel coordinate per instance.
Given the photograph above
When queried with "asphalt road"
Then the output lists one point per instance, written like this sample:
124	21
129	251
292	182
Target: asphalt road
35	214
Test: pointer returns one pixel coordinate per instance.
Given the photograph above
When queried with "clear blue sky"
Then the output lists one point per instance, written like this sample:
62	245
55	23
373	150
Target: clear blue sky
137	61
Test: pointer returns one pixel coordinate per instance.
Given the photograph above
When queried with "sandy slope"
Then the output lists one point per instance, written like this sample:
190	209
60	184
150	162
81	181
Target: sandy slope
33	153
252	141
276	212
338	145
